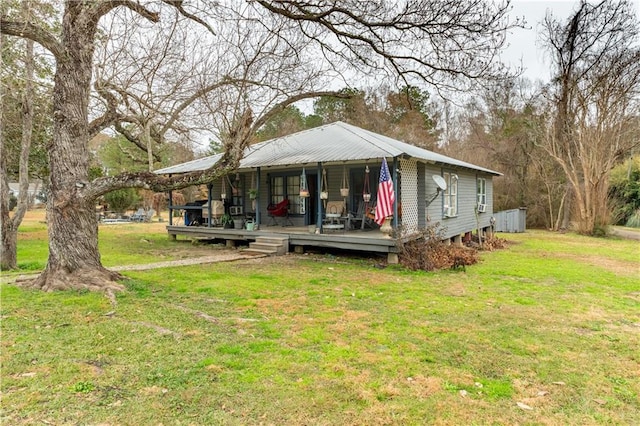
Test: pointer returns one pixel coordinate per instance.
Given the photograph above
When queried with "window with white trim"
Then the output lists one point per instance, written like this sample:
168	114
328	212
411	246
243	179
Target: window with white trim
482	191
451	194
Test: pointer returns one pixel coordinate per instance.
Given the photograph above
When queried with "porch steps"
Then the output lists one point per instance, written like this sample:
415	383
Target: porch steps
271	245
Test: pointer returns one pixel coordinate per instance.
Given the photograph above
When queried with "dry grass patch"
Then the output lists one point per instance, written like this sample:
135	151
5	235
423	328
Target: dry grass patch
617	266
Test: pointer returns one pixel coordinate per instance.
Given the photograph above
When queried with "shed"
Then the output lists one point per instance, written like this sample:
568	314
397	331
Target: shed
511	221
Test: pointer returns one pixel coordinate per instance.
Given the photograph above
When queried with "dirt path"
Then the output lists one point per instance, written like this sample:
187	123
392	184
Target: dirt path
225	256
222	257
625	233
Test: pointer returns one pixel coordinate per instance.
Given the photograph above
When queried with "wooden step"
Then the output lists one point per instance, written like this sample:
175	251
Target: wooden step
273	239
273	245
274	248
257	251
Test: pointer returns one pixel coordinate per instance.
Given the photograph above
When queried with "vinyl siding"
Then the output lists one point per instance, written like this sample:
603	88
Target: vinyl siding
416	177
465	221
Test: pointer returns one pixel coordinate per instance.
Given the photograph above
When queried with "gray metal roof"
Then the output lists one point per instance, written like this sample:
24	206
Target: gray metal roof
335	142
191	166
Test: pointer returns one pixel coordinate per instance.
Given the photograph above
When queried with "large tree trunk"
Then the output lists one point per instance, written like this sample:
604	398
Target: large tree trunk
74	259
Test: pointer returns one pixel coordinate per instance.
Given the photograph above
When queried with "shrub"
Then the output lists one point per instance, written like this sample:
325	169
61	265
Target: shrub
634	220
491	243
429	252
121	199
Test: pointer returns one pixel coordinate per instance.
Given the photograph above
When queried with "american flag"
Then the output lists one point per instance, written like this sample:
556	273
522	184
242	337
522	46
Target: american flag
386	196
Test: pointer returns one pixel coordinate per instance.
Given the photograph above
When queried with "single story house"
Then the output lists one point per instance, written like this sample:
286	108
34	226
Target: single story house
33	191
329	178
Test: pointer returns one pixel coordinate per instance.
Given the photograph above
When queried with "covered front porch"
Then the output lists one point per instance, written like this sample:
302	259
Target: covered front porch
298	237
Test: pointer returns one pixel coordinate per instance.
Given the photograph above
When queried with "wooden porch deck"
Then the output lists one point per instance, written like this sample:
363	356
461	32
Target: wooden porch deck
368	241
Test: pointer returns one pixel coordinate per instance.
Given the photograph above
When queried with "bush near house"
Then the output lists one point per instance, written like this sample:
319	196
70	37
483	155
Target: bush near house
430	251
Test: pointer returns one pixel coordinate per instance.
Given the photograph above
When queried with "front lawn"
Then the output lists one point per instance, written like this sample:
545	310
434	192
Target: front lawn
544	332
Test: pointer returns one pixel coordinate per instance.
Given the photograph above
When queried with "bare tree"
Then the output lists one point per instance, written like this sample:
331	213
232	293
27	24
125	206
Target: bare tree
594	95
9	224
267	55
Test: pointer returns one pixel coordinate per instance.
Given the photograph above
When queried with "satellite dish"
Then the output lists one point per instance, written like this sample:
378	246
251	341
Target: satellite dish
439	180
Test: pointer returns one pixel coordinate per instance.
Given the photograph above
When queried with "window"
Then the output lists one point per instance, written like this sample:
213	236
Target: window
287	186
236	193
482	191
277	189
451	195
296	203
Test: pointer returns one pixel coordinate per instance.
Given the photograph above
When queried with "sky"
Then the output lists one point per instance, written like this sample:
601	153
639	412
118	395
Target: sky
524	48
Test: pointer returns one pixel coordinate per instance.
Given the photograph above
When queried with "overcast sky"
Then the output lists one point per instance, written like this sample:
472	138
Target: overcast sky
524	46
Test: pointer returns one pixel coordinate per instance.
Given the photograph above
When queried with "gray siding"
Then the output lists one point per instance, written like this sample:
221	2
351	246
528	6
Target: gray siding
334	182
465	221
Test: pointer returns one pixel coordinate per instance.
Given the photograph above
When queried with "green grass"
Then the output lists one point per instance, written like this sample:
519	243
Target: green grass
122	244
552	322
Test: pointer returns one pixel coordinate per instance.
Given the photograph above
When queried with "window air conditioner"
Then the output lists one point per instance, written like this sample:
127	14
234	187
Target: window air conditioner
448	211
235	210
482	208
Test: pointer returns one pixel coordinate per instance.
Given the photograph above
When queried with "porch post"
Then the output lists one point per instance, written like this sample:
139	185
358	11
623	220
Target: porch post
397	192
318	200
209	190
170	207
258	198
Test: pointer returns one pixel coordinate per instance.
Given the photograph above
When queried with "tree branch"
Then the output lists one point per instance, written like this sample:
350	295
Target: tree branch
293	99
35	33
134	139
178	5
104	7
156	183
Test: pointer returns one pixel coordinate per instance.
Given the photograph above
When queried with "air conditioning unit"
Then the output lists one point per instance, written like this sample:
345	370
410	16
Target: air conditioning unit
449	212
482	208
236	210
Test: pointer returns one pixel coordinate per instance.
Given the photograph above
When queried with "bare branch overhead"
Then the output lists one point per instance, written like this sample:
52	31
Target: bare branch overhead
35	33
434	41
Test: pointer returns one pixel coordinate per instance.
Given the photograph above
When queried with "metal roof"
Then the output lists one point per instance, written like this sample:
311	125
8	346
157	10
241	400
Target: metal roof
335	142
191	166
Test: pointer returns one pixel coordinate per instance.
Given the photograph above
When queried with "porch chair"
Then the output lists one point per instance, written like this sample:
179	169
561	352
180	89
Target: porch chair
217	210
362	218
336	216
149	215
138	216
280	210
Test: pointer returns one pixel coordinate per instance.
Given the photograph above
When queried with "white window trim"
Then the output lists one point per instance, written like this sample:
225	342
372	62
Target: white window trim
450	195
481	193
